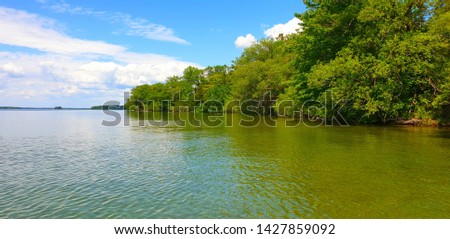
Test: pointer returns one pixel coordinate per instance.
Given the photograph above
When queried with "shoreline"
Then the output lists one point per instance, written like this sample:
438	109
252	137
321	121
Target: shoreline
413	122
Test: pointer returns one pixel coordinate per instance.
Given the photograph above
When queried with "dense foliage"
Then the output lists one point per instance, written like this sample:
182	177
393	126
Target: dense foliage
377	60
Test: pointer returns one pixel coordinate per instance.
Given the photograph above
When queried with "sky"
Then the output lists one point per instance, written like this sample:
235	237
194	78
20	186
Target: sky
79	53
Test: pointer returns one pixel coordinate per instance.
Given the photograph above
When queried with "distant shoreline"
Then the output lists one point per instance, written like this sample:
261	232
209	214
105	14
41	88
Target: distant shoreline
39	108
112	107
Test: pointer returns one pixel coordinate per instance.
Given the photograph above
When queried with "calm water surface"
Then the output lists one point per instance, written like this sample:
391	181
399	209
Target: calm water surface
64	164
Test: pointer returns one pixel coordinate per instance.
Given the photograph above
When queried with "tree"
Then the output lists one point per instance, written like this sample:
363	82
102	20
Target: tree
387	60
263	72
150	97
217	88
382	56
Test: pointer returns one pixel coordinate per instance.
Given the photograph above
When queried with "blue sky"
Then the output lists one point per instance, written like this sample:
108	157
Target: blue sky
83	53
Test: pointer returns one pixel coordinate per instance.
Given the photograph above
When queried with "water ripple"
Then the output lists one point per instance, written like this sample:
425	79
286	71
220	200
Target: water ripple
74	168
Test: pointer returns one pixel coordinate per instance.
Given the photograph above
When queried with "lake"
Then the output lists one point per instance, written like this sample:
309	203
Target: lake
65	164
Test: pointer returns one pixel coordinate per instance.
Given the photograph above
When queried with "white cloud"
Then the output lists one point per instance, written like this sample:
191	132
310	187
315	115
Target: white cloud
19	28
293	26
62	7
94	73
12	70
288	28
134	74
244	42
53	75
70	68
142	27
133	26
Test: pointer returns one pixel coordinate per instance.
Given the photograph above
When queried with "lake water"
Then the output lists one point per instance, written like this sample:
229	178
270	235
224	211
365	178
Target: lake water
65	164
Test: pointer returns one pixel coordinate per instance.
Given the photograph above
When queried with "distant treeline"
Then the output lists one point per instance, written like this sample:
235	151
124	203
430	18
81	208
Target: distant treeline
106	107
40	108
9	108
97	107
370	61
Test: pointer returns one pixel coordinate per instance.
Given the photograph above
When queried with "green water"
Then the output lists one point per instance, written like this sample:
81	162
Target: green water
65	164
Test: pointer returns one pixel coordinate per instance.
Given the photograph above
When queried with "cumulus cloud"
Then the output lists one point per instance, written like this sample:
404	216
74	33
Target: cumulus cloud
52	75
288	28
134	74
245	41
68	67
134	26
12	70
292	26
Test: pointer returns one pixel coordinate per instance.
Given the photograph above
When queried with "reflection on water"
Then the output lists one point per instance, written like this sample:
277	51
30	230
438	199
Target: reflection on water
64	164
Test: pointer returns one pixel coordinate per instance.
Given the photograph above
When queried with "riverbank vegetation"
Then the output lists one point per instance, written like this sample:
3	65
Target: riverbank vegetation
368	61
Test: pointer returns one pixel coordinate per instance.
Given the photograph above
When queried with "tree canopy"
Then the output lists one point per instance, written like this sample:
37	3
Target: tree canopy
381	60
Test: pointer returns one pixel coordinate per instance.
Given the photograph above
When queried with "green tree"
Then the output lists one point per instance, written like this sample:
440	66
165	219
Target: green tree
385	58
217	87
149	97
263	72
